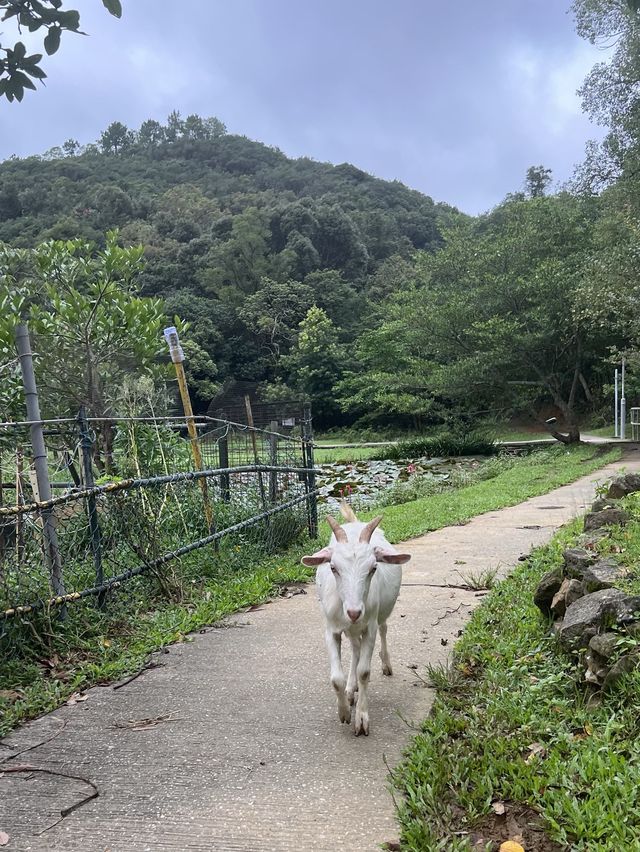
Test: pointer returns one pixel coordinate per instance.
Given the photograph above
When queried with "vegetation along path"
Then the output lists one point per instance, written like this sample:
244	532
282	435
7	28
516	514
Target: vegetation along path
232	742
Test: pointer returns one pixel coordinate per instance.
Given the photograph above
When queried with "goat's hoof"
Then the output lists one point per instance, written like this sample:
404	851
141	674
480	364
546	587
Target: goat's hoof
344	713
362	724
352	695
387	670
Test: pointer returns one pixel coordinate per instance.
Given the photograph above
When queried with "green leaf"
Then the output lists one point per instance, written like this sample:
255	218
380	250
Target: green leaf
23	80
114	7
19	50
69	20
52	40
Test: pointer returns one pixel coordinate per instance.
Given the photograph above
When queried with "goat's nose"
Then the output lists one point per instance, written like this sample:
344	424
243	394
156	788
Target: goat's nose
354	614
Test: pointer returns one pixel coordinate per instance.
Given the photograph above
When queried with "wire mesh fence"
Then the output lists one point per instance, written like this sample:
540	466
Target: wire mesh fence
128	501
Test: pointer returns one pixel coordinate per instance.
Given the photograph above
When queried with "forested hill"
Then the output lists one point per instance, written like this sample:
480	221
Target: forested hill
239	238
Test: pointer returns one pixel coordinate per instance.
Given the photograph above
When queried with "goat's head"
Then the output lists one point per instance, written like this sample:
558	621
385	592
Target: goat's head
353	565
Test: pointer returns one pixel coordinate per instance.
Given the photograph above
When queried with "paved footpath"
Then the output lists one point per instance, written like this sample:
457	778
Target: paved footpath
251	756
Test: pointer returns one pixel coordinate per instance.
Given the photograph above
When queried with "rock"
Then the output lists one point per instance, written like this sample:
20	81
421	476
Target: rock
548	587
603	575
576	559
588	613
623	485
622	667
559	602
605	644
595	520
575	590
602	503
568	593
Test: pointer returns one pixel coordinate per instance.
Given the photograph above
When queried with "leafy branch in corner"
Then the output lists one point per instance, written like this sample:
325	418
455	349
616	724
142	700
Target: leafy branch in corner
19	70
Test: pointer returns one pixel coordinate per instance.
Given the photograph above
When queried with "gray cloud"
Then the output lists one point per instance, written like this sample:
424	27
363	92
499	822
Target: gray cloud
456	100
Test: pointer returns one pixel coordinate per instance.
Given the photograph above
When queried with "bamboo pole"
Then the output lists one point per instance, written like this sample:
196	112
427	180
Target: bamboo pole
177	356
50	538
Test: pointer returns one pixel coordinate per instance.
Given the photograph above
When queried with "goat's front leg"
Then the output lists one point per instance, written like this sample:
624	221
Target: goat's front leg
364	673
334	641
352	682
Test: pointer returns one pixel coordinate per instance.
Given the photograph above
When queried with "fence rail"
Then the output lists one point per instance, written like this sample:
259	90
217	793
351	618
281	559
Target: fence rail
148	513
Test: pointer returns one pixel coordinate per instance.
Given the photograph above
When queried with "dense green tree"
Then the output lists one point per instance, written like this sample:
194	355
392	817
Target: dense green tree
537	180
116	138
316	364
90	326
496	320
273	313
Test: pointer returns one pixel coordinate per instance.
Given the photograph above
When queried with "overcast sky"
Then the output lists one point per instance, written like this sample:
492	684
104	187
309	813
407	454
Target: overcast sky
455	99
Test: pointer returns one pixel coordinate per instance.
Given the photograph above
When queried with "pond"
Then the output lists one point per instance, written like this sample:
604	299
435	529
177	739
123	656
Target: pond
365	480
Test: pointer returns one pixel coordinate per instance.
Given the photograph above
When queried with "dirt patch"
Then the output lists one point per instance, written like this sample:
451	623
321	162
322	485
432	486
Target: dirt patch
519	823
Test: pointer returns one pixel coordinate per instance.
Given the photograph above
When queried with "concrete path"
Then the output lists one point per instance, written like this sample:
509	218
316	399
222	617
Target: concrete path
249	754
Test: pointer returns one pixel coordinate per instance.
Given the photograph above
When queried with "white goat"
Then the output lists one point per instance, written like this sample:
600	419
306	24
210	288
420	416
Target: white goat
358	581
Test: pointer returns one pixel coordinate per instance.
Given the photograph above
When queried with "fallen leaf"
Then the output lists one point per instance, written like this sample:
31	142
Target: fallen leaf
9	695
106	643
536	750
498	808
76	698
511	846
4	838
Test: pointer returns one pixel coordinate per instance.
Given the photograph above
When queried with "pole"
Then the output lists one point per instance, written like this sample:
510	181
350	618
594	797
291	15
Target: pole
273	459
177	356
616	429
623	406
307	449
256	457
50	537
86	445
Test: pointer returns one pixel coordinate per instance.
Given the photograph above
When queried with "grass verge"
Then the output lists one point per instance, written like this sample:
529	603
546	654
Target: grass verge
533	475
44	662
511	724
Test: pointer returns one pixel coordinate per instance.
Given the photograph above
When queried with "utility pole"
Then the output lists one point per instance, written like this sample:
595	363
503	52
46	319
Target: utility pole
177	356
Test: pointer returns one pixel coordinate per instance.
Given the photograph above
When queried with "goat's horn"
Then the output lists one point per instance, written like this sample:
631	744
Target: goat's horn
365	534
339	533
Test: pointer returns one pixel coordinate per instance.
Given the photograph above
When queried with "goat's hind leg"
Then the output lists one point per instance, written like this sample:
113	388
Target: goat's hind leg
334	641
384	651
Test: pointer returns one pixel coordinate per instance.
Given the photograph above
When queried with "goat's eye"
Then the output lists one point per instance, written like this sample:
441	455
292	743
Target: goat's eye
334	569
372	570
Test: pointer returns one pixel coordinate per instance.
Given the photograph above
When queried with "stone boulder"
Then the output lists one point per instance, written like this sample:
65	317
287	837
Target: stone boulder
547	589
623	485
603	575
568	593
586	616
606	517
601	503
623	666
576	559
605	644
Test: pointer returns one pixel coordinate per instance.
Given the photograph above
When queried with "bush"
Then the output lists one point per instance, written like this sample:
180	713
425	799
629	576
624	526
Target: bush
445	444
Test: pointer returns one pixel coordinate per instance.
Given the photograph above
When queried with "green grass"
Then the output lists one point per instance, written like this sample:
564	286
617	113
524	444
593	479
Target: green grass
510	687
343	454
95	647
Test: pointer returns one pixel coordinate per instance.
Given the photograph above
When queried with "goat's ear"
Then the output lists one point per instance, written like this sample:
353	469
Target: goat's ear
317	558
384	555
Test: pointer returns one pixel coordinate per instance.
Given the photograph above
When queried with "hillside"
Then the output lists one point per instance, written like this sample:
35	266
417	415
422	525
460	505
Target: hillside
239	238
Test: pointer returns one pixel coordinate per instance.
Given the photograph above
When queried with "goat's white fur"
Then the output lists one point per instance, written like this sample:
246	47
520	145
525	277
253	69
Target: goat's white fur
361	577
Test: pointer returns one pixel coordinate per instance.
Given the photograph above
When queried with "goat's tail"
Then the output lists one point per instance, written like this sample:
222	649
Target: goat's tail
347	512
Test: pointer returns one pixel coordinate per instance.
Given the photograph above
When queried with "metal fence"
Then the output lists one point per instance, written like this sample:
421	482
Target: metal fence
128	501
